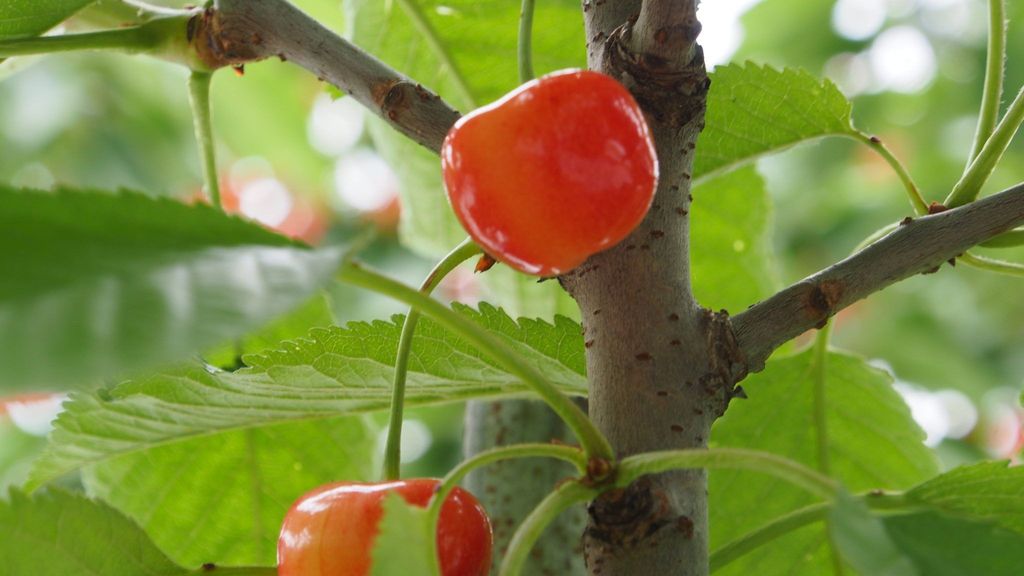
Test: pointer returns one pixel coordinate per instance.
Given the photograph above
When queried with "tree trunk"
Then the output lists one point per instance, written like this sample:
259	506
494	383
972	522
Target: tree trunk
661	368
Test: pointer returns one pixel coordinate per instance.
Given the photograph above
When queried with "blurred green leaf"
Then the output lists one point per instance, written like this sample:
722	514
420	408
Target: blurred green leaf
403	545
466	51
335	371
33	17
523	295
733	262
223	497
17	450
990	491
313	314
756	110
872	443
96	284
60	533
942	546
863	542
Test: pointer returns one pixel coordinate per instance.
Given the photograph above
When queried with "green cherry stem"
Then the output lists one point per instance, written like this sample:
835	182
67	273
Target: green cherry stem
569	454
393	450
525	46
148	8
147	38
992	264
794	521
572	455
533	526
633	467
1010	239
595	445
969	186
993	91
199	98
913	192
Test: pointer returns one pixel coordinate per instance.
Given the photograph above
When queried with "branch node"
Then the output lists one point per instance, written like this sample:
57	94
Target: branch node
674	96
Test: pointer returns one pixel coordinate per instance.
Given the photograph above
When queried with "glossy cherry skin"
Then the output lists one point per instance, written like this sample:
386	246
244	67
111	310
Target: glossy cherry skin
559	169
331	530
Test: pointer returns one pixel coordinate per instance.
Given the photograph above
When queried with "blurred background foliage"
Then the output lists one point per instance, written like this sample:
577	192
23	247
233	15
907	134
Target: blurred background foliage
299	159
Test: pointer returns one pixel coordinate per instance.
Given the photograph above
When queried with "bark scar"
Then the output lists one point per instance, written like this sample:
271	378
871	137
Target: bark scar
727	362
625	517
673	96
822	299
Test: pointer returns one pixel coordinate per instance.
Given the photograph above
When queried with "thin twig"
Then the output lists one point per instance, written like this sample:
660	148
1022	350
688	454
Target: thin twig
240	31
920	245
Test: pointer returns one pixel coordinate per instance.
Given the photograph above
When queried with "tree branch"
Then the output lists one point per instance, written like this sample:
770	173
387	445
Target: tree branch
918	246
240	31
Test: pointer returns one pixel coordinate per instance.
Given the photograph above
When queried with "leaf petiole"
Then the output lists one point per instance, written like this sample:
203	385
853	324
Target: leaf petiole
393	450
913	192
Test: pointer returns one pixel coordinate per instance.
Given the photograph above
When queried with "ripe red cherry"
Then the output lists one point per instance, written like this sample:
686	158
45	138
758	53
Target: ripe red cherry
559	169
331	530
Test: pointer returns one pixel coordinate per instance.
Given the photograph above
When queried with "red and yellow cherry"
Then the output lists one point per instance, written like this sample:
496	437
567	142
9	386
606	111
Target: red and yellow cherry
331	530
559	169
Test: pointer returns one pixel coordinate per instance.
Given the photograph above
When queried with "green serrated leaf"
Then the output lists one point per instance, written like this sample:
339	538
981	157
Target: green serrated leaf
403	545
61	533
756	110
466	51
33	17
873	443
336	371
223	497
991	491
943	546
863	541
105	283
733	264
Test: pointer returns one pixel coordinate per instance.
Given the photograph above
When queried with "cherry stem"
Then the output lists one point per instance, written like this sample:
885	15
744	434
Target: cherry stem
393	450
525	47
147	8
633	467
569	454
993	91
533	526
1010	239
147	38
992	264
969	186
595	445
199	98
